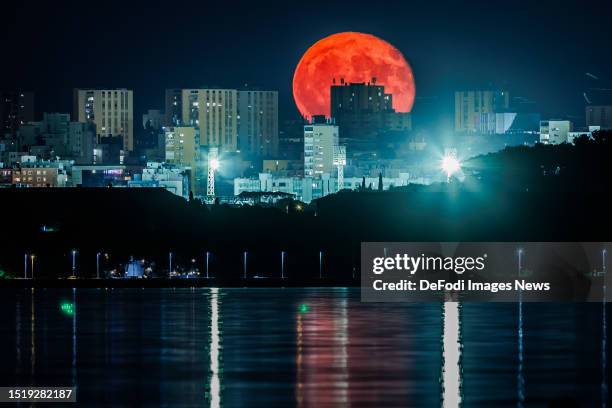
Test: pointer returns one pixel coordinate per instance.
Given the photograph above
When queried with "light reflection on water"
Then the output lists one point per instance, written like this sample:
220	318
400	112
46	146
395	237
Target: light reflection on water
451	343
300	347
215	382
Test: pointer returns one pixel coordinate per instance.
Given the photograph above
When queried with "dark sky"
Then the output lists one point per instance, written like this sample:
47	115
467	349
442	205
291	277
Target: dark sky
538	49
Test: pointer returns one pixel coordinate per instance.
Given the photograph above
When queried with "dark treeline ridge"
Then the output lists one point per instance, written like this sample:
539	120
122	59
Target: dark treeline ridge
542	193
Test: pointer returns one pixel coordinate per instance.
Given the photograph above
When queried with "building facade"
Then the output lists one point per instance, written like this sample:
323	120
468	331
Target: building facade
214	112
174	107
469	105
500	123
81	142
364	110
319	142
555	131
39	173
16	109
257	123
229	119
183	150
111	110
307	189
599	116
175	179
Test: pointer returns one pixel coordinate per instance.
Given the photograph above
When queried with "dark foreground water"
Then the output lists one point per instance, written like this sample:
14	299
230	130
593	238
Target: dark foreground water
299	347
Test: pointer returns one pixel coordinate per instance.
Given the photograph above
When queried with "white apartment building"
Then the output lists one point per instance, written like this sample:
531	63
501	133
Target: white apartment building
319	142
554	131
307	189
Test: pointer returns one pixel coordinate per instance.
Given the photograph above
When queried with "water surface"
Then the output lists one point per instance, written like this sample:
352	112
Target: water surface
299	347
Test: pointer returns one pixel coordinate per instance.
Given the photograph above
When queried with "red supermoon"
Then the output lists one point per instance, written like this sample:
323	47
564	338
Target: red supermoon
356	57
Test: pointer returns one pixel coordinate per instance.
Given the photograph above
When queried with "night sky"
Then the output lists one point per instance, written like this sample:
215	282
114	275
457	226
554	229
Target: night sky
541	50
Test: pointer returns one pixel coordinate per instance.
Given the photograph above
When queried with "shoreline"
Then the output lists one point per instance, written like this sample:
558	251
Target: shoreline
173	283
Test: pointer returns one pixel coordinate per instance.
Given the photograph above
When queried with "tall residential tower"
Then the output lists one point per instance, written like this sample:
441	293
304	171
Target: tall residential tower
112	111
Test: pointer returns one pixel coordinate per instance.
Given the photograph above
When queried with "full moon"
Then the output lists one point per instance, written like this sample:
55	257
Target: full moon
355	57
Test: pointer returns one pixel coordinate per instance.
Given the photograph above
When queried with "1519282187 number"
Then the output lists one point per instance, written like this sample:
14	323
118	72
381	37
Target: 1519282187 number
14	394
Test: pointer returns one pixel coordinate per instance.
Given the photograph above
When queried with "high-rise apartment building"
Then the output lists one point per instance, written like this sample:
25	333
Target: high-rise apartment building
112	111
230	119
319	142
182	145
214	112
258	123
16	109
469	105
81	142
359	98
174	107
364	110
600	115
183	149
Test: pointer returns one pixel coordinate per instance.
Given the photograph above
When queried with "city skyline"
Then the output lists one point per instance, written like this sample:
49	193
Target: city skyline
157	55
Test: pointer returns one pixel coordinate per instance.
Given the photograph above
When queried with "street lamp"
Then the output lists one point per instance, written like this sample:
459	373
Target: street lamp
32	257
244	265
98	265
74	252
169	263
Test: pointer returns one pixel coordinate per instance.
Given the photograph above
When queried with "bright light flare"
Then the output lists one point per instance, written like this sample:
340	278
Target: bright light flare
214	164
450	165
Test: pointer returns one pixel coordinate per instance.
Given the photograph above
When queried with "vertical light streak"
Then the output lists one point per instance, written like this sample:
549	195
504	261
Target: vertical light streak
215	381
520	376
604	336
451	375
74	339
299	393
343	340
32	335
18	336
520	373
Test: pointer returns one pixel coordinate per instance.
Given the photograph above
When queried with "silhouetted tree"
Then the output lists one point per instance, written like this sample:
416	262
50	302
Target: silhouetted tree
363	183
380	182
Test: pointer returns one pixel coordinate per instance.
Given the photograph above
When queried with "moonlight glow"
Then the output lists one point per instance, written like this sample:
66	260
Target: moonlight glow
356	57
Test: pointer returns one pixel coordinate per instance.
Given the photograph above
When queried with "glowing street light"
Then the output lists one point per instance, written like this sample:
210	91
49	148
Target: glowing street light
98	265
32	257
169	263
74	252
450	164
214	164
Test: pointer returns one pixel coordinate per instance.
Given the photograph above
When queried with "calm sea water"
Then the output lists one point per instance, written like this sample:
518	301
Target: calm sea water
299	347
